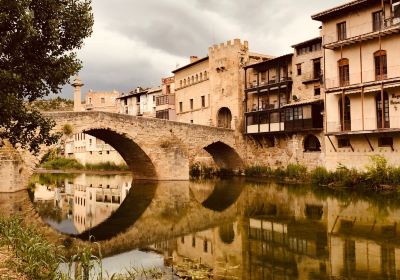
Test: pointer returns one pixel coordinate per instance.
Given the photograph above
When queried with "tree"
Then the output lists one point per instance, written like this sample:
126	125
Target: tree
38	43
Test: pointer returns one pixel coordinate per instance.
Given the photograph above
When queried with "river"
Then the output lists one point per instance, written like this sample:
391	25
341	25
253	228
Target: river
237	228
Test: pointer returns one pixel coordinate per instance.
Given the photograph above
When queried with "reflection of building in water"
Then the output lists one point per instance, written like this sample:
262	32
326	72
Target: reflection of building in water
285	238
365	241
97	197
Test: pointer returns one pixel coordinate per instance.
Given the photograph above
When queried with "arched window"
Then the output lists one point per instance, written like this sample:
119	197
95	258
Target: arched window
344	72
197	78
224	118
192	79
205	75
201	76
382	112
345	115
311	144
180	83
380	65
188	79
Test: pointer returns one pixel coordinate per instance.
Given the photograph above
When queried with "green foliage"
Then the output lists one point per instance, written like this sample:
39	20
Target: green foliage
67	130
320	176
62	164
53	104
39	40
296	171
258	171
50	155
107	166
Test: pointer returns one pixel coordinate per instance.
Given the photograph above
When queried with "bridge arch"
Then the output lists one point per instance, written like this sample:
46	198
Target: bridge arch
224	155
138	161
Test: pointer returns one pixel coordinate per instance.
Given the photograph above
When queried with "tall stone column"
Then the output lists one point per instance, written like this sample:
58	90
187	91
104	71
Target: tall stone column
77	84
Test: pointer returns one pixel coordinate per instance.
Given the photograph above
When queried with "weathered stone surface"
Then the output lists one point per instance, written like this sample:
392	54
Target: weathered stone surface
155	148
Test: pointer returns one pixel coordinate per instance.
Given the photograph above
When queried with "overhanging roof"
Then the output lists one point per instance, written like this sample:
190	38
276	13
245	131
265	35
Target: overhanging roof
340	10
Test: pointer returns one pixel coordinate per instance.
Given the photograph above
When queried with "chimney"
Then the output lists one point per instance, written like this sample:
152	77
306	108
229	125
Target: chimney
77	84
193	58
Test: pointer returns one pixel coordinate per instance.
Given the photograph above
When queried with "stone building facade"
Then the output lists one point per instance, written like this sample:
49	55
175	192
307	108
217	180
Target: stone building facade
362	80
209	90
165	103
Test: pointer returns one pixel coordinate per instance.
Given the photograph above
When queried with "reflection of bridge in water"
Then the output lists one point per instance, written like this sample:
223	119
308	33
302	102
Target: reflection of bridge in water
260	231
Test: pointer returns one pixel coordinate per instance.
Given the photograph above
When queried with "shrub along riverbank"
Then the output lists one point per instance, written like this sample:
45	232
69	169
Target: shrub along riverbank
72	164
377	176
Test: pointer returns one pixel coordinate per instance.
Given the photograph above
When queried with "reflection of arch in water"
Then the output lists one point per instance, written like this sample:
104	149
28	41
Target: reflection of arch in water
135	204
226	233
223	195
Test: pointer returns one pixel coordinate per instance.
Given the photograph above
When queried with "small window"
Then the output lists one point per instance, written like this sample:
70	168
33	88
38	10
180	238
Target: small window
317	91
193	241
298	69
103	100
180	107
385	141
191	121
100	152
108	152
201	76
205	246
203	101
183	240
344	143
154	98
341	31
377	21
317	68
191	104
90	100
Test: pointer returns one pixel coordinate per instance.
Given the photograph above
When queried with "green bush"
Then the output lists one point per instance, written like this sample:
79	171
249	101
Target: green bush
62	164
296	171
320	176
107	166
258	171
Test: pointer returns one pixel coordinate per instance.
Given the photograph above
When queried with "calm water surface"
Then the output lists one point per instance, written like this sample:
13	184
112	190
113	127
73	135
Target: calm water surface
239	229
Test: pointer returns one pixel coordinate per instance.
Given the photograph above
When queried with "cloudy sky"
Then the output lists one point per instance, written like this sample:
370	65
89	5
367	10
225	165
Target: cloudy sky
136	42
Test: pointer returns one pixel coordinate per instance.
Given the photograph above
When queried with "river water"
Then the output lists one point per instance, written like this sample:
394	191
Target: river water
237	229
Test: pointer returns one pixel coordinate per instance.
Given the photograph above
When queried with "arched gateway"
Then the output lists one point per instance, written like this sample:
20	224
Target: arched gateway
154	148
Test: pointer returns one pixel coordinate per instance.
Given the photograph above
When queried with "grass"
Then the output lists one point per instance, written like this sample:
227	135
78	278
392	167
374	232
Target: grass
32	256
293	172
198	171
72	164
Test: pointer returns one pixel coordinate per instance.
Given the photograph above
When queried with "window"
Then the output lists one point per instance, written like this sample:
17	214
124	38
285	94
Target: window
385	141
298	113
197	78
317	91
344	142
205	246
298	69
100	152
183	240
184	82
341	31
90	100
168	89
317	68
380	65
205	75
125	102
191	121
344	72
90	142
377	21
180	83
154	98
201	76
103	100
192	79
193	241
191	104
385	113
312	144
203	101
345	113
180	107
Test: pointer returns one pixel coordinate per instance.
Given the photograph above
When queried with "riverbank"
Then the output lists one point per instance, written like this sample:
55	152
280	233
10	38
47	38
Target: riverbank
74	171
378	176
72	165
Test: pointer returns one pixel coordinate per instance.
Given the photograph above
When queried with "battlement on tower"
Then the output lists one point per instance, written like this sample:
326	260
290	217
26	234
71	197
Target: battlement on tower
231	44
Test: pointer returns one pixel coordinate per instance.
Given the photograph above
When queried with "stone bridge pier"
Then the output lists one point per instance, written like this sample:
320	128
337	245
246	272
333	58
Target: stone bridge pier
154	148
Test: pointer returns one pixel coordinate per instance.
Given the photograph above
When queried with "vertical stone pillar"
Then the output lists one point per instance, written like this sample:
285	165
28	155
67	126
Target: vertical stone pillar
77	84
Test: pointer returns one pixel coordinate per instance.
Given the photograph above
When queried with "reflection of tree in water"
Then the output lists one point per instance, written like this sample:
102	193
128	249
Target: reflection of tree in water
47	210
52	180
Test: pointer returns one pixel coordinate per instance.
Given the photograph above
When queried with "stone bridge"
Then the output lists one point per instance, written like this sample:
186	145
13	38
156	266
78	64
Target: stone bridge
155	148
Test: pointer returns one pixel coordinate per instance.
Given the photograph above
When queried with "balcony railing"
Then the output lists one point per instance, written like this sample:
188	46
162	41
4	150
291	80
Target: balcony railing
271	82
369	124
363	31
165	100
366	76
